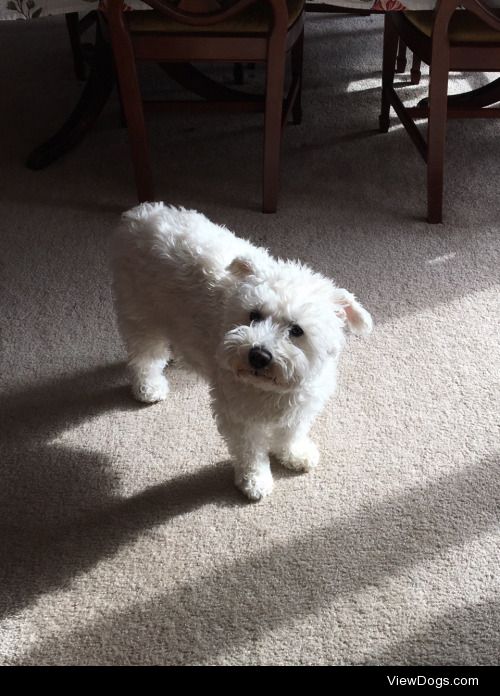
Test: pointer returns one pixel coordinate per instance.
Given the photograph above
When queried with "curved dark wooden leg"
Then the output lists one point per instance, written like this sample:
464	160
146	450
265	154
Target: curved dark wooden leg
475	99
73	25
195	81
92	101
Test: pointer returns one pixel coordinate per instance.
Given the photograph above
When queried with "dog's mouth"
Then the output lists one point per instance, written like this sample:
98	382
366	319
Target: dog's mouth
256	374
241	372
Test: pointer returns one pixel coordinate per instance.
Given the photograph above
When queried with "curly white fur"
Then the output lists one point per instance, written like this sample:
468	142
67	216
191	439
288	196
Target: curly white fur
182	281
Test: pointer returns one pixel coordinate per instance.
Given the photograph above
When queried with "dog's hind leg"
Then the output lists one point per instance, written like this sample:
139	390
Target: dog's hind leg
149	384
148	353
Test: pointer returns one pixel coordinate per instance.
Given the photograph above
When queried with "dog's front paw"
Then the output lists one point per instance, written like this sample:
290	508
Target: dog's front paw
300	456
255	485
150	391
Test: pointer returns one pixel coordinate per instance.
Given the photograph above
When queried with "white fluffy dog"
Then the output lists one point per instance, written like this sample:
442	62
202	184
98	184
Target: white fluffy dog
266	334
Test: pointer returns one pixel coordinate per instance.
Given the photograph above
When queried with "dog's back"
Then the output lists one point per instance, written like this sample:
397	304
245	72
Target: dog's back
175	239
168	264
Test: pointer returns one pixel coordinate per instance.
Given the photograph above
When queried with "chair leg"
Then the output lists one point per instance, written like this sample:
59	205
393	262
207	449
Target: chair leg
297	61
415	73
388	70
275	84
131	99
401	57
436	134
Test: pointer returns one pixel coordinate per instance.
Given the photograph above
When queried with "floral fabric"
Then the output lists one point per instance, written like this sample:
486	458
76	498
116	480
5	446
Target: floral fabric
32	9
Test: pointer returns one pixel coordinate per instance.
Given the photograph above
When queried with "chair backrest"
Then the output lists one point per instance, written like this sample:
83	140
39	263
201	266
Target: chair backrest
207	12
445	9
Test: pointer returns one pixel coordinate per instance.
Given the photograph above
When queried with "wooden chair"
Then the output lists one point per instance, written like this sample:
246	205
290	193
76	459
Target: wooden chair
448	39
415	73
177	33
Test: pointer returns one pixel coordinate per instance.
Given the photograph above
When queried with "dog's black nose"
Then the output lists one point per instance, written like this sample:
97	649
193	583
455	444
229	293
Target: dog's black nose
259	357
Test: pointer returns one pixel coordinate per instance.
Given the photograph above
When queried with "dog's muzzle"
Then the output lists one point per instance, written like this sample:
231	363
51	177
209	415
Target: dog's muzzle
259	357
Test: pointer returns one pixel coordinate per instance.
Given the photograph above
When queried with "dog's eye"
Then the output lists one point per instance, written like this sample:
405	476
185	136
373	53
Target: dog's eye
255	315
296	331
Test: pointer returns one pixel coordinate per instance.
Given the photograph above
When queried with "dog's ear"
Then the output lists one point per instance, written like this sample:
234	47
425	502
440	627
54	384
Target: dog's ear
352	312
241	267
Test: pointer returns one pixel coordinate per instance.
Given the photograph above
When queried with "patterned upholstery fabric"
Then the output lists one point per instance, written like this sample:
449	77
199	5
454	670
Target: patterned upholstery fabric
256	19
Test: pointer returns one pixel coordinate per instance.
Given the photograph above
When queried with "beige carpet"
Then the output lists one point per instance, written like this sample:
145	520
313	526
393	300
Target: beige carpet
122	538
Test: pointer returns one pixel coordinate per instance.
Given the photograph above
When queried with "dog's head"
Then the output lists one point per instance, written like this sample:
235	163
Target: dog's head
283	321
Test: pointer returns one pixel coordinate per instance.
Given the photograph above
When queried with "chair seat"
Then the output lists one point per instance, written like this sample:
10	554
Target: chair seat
256	19
465	27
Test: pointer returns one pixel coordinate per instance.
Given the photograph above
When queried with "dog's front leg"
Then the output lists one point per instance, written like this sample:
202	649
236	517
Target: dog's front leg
293	447
249	453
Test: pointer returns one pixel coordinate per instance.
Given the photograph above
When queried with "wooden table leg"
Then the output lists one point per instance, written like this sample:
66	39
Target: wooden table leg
475	99
95	94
